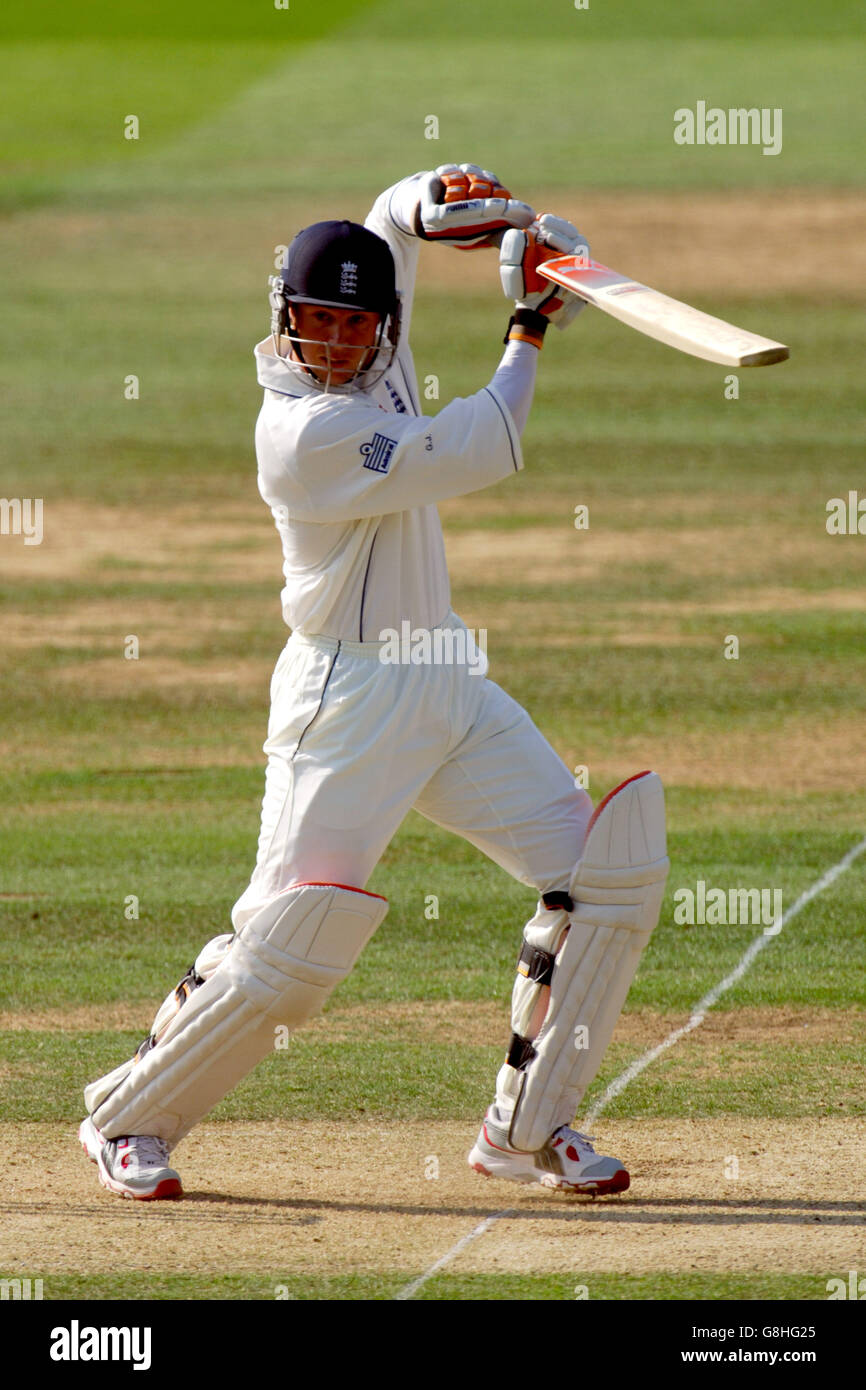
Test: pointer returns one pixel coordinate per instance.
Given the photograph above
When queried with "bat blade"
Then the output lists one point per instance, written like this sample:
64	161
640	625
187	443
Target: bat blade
659	316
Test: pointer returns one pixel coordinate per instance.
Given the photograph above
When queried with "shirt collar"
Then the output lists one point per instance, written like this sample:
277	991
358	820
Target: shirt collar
275	374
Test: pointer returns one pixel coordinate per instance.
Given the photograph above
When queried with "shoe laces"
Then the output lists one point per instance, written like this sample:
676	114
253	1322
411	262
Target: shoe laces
149	1150
585	1140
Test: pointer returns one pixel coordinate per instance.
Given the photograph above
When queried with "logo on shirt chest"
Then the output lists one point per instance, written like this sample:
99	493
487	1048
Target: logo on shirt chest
377	452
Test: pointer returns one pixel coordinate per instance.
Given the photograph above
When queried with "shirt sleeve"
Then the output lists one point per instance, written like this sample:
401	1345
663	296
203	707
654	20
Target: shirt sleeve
391	218
333	459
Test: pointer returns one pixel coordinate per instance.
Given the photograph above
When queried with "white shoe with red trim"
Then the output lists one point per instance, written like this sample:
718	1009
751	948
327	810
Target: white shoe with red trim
133	1166
568	1161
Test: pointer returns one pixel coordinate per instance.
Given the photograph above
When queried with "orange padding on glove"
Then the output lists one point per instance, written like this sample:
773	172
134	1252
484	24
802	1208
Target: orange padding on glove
536	254
460	186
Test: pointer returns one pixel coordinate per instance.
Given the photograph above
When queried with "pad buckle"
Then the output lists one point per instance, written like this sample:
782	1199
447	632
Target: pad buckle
520	1052
536	965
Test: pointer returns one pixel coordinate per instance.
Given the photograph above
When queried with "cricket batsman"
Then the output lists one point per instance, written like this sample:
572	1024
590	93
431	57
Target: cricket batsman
352	471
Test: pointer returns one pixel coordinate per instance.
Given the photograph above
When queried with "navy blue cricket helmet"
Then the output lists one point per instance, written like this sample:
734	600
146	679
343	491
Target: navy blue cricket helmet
341	265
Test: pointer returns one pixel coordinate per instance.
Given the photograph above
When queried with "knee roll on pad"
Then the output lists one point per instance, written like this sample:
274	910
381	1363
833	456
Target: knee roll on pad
586	944
278	970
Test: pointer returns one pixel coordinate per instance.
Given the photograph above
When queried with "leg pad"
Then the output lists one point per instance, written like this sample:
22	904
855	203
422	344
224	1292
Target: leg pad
616	894
278	970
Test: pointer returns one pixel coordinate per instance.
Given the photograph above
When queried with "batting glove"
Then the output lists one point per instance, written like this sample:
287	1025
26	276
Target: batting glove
467	207
520	255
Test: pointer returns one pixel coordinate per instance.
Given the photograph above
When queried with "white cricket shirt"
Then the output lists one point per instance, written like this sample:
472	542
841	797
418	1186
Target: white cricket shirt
353	478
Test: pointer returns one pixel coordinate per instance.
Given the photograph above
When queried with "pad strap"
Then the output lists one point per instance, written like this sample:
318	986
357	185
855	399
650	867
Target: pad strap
520	1051
556	899
536	965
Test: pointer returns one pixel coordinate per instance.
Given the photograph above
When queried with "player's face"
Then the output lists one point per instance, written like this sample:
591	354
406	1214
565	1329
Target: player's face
341	338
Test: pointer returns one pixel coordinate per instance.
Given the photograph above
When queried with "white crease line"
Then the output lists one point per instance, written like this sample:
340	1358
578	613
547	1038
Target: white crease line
411	1289
618	1085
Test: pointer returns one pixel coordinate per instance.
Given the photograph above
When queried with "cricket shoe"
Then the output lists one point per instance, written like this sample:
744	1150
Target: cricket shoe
136	1166
568	1161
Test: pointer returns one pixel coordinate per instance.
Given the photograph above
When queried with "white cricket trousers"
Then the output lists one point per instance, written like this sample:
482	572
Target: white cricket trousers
354	743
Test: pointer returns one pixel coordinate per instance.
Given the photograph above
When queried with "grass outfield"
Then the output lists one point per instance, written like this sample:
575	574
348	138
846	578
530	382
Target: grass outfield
664	1286
321	101
141	780
265	127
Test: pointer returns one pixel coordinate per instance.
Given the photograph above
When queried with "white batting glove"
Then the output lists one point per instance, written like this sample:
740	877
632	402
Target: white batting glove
467	207
522	252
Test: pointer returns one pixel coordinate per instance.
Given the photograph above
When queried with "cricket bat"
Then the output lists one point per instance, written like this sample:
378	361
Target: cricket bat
659	316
